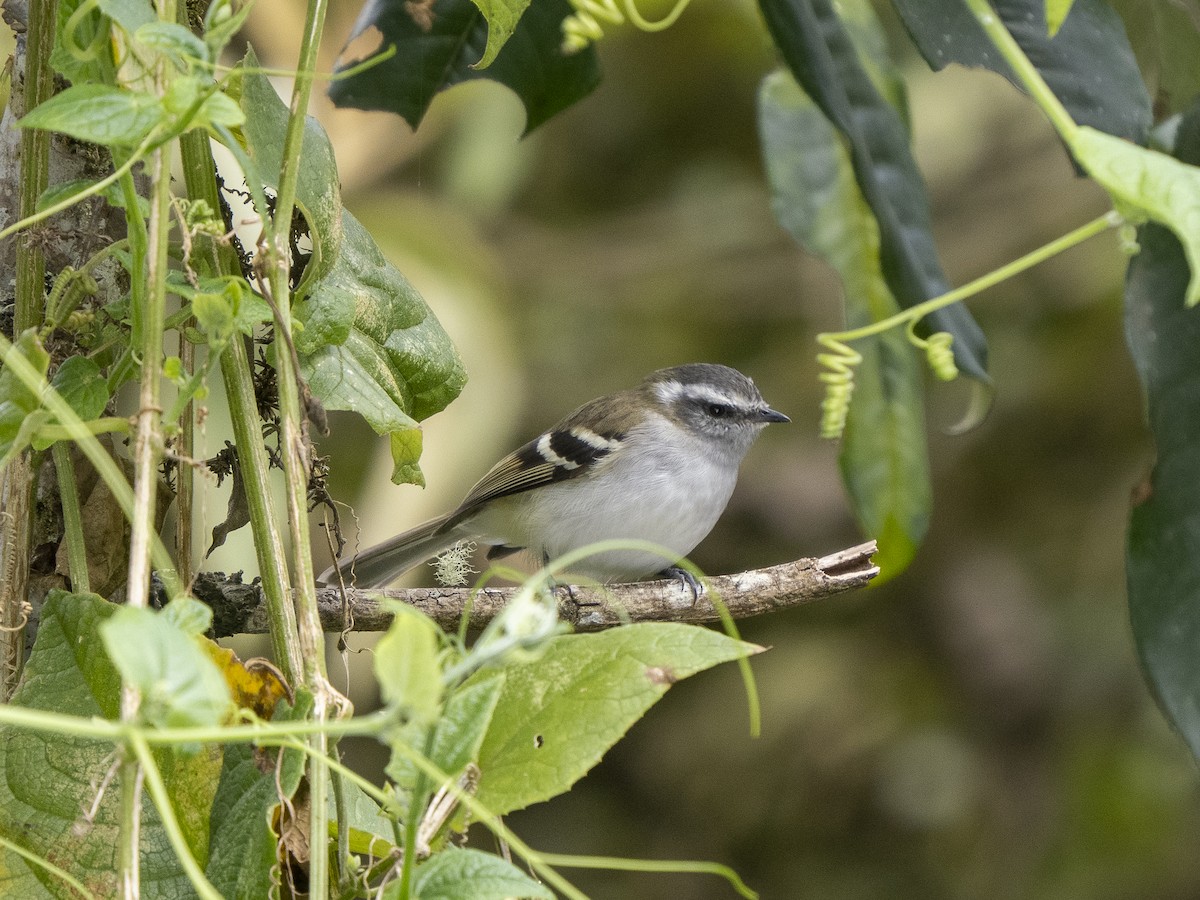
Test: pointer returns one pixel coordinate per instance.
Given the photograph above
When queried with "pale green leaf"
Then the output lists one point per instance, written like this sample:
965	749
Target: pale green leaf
502	17
99	114
179	683
17	402
174	41
406	665
1146	184
559	714
1056	13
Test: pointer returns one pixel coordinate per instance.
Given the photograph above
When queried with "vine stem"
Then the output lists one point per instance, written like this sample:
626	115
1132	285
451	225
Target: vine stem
64	468
1028	74
1111	219
296	453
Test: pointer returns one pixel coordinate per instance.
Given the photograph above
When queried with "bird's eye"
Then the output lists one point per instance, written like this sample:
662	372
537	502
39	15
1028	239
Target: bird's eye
718	410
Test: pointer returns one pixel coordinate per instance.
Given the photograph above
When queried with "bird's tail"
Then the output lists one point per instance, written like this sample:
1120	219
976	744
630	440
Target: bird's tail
378	566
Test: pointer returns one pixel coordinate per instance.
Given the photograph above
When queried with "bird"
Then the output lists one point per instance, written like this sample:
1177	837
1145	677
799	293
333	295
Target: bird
656	463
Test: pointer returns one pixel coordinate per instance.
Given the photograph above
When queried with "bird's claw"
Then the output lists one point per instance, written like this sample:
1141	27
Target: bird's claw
686	578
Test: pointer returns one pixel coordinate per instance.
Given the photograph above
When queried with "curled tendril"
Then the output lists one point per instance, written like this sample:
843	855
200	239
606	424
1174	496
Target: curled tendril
583	27
939	352
838	379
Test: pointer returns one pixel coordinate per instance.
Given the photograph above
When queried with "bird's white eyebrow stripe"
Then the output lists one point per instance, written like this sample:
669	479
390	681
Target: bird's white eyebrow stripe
708	394
668	391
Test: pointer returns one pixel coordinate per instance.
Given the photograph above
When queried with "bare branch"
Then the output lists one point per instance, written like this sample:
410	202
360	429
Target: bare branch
239	609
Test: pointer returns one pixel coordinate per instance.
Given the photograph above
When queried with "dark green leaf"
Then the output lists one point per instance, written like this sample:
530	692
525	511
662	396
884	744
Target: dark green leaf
99	114
371	345
242	862
47	780
824	60
558	715
1165	35
1164	528
883	457
473	875
439	52
1089	64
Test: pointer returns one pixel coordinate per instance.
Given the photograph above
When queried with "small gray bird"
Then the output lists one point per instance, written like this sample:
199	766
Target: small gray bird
656	463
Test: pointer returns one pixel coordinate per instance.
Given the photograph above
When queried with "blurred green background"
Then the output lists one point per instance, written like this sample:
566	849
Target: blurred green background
975	728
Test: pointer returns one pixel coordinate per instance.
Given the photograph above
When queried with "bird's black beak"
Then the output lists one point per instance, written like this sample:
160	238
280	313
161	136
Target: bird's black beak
766	414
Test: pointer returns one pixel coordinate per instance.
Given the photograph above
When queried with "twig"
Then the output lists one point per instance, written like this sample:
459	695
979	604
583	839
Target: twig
239	609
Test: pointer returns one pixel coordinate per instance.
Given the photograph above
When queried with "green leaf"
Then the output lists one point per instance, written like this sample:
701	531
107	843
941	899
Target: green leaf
1089	64
1164	528
473	875
318	194
1056	13
458	734
406	665
371	830
821	54
180	685
47	780
453	45
214	314
371	345
131	15
1147	184
81	383
189	615
502	18
883	456
1163	555
18	404
558	715
1165	36
99	114
174	41
242	862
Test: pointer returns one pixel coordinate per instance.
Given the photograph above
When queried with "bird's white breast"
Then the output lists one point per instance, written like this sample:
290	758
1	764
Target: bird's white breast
664	486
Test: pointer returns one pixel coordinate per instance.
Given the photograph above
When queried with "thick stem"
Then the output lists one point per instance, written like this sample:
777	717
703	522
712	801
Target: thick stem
72	518
295	451
199	176
17	481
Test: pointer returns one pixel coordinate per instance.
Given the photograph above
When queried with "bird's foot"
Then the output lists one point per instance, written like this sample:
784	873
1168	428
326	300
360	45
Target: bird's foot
686	578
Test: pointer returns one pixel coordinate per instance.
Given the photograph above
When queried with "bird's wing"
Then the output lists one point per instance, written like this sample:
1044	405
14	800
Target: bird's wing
568	450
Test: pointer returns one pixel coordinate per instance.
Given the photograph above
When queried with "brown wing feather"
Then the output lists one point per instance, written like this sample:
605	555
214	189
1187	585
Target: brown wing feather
526	467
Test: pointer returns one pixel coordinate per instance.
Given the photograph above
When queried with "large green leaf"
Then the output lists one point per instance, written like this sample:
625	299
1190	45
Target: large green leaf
370	344
444	45
243	858
99	114
1088	64
819	50
883	456
472	875
318	193
1164	528
558	715
47	781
